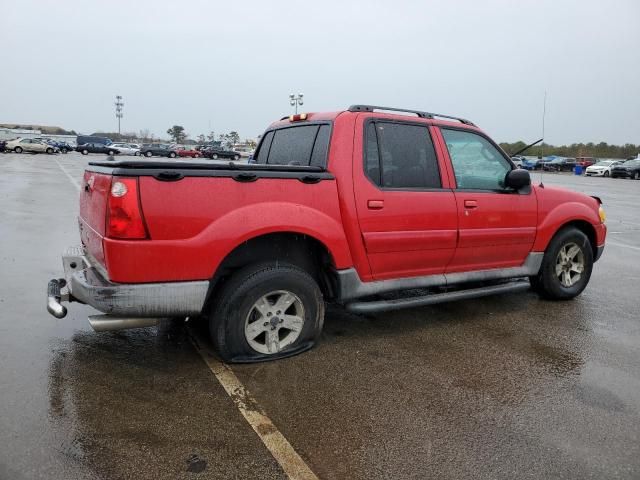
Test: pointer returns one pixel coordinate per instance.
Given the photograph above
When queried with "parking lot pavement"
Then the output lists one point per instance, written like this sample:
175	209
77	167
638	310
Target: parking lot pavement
498	387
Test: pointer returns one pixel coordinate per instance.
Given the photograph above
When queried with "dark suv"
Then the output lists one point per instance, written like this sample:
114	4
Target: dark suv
216	152
158	149
96	148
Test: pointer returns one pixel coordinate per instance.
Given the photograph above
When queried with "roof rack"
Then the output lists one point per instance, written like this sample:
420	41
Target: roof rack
371	108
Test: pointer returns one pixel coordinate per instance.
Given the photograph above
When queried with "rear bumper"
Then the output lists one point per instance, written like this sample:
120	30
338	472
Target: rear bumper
87	284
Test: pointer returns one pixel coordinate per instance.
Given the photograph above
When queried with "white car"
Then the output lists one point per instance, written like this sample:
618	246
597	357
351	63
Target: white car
29	145
601	169
127	148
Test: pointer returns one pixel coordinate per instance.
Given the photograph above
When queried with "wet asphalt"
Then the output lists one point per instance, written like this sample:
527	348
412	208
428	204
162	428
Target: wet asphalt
500	387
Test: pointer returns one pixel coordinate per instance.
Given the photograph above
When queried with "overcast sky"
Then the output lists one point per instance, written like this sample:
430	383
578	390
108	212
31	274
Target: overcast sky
222	66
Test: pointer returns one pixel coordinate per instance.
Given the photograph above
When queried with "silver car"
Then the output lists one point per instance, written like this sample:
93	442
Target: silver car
30	145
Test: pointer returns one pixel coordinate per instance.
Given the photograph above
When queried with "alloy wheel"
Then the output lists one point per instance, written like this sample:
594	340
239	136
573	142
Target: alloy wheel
274	322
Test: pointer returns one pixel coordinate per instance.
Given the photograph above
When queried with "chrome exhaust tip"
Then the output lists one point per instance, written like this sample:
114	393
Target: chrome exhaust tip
110	323
54	307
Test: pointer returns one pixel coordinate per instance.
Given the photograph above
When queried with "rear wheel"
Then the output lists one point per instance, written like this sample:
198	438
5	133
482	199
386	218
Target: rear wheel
172	155
636	176
214	156
85	152
266	311
110	152
566	266
606	173
18	149
236	157
64	150
49	151
148	154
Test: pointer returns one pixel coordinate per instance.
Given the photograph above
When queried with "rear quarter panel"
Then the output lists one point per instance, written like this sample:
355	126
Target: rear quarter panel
196	222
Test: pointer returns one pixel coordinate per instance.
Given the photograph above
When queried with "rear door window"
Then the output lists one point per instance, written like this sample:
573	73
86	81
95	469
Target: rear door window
399	155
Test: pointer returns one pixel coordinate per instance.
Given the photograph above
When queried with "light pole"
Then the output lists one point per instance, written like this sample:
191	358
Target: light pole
295	101
119	105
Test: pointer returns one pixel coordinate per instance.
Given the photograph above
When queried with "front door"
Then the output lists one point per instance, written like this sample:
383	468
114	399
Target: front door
406	210
497	226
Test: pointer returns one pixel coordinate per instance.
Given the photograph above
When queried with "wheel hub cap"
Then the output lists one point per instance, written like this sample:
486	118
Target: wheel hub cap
569	264
274	322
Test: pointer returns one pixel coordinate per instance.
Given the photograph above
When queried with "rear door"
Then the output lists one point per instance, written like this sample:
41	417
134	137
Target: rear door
497	226
406	208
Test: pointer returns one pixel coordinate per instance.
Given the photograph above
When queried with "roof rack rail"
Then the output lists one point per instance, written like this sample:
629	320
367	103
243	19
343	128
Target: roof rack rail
371	108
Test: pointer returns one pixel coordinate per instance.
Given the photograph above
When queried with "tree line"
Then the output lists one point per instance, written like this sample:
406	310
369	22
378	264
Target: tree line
596	150
177	134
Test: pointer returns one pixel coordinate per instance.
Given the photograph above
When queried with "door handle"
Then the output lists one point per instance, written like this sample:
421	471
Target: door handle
375	204
470	204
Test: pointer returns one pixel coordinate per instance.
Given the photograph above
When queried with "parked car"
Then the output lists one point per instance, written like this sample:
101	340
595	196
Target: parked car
97	148
158	150
518	161
559	164
585	162
322	216
628	169
30	145
217	152
63	147
602	168
244	151
127	148
84	139
531	164
183	151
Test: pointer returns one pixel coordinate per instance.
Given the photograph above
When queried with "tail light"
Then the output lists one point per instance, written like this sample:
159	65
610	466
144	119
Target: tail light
124	213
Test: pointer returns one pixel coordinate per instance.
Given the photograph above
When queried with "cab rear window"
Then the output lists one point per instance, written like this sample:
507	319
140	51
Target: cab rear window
305	145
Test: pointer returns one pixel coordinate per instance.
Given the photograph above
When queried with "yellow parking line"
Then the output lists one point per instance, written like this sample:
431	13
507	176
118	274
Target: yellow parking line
292	464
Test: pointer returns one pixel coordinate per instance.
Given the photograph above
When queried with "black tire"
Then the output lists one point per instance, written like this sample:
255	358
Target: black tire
547	282
236	300
214	156
110	153
636	176
172	155
85	152
606	173
49	151
64	150
18	149
148	154
136	154
236	157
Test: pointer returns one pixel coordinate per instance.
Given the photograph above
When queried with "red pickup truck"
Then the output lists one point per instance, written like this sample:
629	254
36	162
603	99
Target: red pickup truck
373	208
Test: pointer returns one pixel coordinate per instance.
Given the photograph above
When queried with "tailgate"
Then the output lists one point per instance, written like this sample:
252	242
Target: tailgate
93	207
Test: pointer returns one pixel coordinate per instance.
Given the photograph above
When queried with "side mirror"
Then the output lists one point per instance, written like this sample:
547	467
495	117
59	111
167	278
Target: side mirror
517	179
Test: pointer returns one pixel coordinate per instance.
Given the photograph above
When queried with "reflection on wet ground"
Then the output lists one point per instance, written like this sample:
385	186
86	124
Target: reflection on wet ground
502	387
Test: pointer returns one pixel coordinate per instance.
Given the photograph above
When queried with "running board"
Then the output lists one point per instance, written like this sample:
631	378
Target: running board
386	305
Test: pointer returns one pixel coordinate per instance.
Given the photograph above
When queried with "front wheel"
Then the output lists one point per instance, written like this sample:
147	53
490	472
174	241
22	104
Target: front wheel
49	151
236	157
606	174
85	152
636	176
148	154
566	266
64	150
214	156
18	149
266	311
110	152
172	155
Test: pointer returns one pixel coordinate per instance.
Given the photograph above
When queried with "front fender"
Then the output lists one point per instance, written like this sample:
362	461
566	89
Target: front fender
564	214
